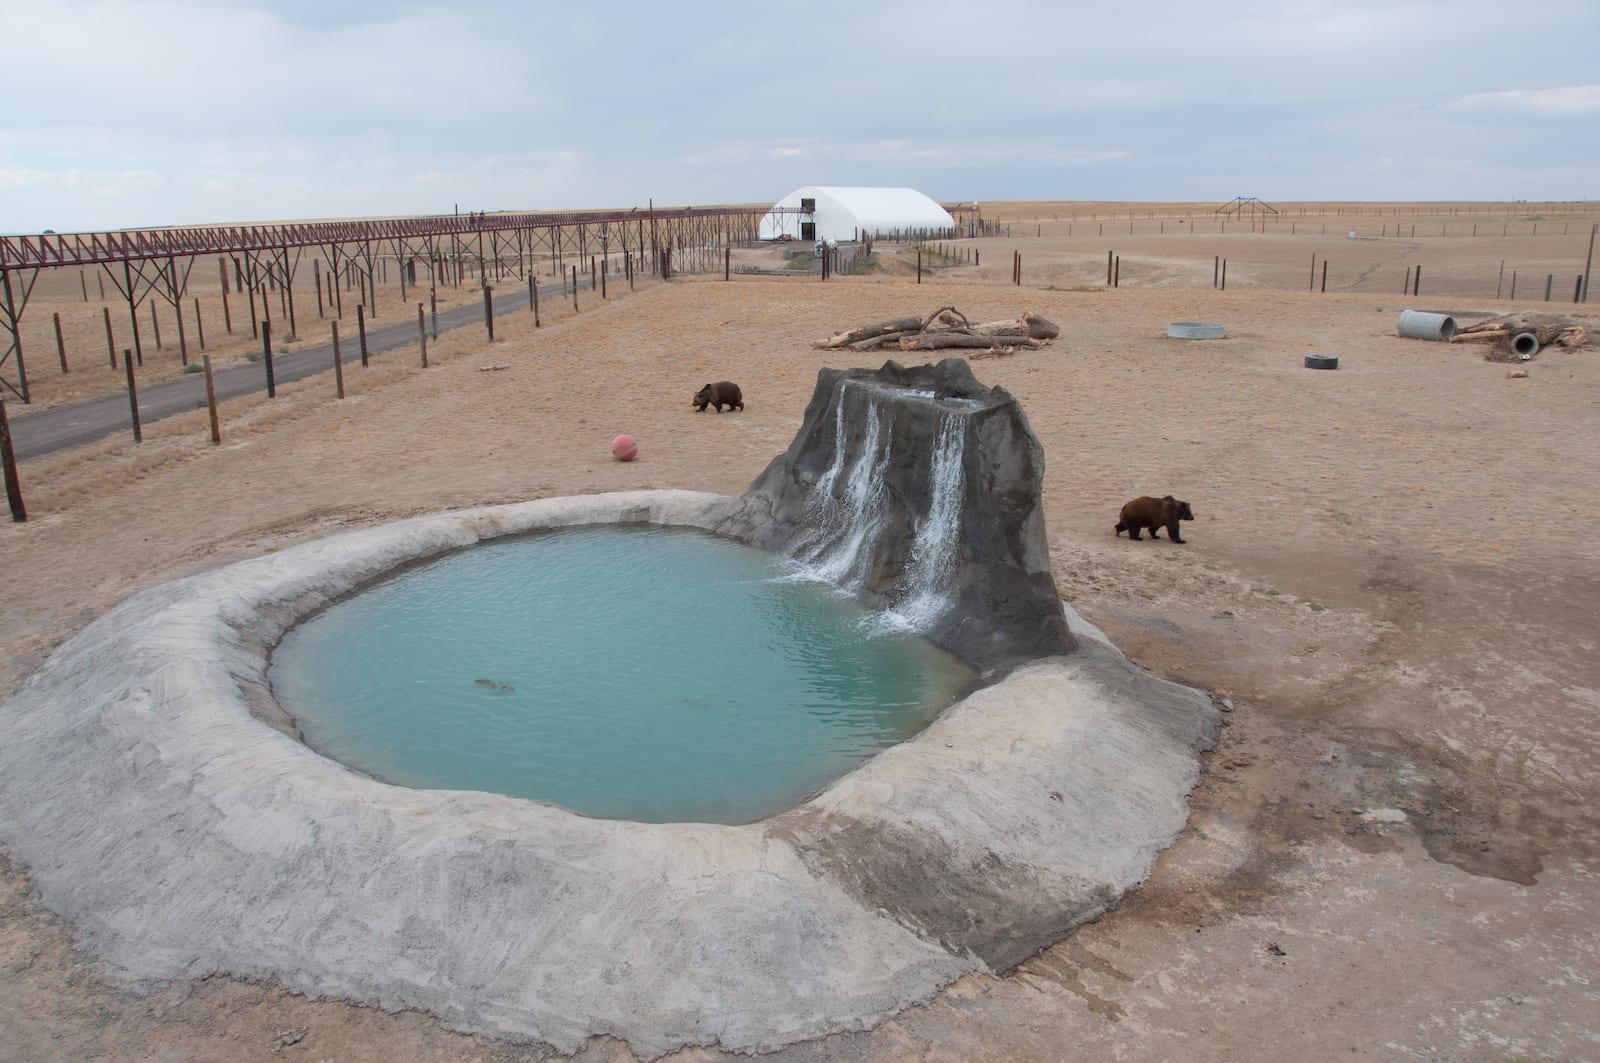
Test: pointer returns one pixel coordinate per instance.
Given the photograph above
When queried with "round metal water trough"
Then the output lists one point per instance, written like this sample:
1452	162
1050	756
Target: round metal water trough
1421	325
1525	345
1322	361
1194	330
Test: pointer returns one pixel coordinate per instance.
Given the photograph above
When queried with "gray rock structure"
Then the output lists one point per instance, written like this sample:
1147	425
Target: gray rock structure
919	489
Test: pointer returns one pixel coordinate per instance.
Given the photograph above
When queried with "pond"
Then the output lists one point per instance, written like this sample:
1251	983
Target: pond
624	672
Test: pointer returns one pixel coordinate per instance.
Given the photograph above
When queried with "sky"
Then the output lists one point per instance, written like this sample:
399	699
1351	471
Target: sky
125	113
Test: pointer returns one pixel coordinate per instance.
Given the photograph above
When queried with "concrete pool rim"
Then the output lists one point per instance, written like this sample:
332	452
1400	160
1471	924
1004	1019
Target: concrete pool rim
182	836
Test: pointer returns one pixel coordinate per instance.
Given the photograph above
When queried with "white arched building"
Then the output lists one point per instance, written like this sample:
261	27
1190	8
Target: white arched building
843	213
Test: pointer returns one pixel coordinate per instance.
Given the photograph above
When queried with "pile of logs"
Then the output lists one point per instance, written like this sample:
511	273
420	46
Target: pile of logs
947	328
1503	331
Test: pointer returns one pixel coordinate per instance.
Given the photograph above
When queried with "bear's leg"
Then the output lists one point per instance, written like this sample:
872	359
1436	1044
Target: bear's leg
1172	531
1133	532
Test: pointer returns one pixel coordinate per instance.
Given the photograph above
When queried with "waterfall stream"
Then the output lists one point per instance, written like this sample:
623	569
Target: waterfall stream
848	509
848	519
938	544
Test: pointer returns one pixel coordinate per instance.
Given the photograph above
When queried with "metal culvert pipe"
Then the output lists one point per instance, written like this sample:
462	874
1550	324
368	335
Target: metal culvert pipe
1421	325
1525	345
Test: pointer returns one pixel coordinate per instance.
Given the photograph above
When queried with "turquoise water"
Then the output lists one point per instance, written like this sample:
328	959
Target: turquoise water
640	673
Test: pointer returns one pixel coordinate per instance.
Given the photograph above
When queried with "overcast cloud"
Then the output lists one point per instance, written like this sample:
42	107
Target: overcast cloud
126	113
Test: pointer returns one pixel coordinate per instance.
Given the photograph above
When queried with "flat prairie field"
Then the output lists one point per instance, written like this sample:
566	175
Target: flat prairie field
1392	580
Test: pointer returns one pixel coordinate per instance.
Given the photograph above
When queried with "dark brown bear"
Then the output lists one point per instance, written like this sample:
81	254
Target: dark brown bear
1155	514
722	393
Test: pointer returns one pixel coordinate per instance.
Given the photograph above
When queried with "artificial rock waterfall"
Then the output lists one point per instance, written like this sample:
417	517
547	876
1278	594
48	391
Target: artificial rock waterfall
917	489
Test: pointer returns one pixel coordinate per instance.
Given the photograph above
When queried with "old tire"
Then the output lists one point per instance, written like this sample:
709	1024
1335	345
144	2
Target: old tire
1322	361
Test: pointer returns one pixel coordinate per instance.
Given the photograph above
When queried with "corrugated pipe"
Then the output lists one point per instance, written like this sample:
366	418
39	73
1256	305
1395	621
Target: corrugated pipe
1420	325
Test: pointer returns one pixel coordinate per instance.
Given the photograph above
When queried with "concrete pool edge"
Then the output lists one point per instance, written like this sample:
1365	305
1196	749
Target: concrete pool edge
182	837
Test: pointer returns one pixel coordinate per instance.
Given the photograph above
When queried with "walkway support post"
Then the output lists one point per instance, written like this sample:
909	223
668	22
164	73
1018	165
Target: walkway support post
338	364
266	354
8	459
133	395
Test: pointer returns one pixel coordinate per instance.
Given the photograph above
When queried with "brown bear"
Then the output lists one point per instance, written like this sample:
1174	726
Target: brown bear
1155	514
722	393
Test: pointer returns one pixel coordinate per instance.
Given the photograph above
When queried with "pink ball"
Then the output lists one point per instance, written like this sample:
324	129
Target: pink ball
624	448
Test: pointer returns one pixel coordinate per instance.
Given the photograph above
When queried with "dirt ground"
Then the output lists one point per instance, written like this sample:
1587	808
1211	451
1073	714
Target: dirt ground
1392	853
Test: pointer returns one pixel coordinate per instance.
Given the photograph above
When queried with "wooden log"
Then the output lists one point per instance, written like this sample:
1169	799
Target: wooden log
1544	333
1014	327
1031	325
1466	336
1040	328
866	332
946	314
958	332
934	341
878	342
1545	330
